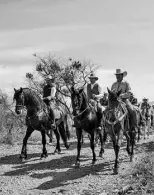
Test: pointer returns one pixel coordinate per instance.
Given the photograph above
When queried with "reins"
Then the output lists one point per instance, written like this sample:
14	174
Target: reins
118	119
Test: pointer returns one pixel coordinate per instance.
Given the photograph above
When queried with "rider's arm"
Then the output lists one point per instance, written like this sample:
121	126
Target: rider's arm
53	92
127	92
113	87
100	95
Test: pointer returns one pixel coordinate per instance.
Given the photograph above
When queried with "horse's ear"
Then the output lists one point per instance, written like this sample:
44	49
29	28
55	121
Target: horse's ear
119	92
72	89
15	90
81	90
109	91
21	89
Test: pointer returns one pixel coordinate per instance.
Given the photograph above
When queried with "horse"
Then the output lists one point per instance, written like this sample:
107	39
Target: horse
38	118
146	115
139	119
117	125
85	118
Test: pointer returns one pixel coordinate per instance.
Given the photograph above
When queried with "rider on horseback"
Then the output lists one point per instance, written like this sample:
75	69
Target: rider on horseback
94	94
49	92
145	105
125	95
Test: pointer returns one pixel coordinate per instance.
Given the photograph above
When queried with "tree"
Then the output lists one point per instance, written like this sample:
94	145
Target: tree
10	123
67	73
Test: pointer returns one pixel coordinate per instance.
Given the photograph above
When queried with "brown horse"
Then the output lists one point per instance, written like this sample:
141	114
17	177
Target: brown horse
116	123
38	118
85	118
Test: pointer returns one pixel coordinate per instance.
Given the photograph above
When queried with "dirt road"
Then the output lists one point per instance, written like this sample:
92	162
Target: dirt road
57	173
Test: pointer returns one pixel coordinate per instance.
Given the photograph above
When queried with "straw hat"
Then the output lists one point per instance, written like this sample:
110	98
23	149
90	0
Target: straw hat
119	71
93	76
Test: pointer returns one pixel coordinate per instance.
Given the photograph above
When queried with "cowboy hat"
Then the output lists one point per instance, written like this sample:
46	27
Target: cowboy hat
93	76
145	98
119	71
49	77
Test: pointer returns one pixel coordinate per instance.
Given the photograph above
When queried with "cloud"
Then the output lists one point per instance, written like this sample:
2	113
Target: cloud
13	77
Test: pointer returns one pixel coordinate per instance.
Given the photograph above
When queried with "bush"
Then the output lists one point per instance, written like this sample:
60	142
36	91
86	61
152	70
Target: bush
143	175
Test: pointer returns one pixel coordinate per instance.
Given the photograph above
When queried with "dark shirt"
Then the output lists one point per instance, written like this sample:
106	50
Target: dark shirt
47	91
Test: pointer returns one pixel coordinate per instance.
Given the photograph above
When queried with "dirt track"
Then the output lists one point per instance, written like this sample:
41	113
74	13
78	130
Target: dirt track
57	174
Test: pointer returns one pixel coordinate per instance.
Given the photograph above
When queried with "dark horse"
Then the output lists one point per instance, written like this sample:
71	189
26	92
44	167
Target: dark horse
86	119
116	123
38	118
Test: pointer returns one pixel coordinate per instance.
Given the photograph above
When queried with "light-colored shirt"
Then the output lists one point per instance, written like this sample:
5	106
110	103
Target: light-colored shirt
123	86
100	93
53	92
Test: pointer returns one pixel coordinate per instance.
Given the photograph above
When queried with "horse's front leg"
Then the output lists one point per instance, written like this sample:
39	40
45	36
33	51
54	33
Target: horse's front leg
138	133
79	136
44	151
92	145
57	150
116	150
148	128
133	135
102	137
128	142
23	155
116	144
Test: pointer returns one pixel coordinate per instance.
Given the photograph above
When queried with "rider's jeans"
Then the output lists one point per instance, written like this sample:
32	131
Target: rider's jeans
132	113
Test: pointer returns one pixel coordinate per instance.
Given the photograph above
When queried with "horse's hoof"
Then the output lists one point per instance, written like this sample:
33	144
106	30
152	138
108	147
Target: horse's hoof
67	146
44	155
93	162
77	164
23	160
100	155
22	156
131	158
115	171
57	151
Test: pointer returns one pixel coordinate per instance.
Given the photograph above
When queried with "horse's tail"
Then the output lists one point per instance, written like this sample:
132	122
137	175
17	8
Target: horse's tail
63	134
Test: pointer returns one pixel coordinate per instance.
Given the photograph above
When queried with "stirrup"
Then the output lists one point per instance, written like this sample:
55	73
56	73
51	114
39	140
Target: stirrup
99	127
53	126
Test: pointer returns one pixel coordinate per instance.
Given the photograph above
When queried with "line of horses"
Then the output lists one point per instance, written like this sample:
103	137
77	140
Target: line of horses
115	123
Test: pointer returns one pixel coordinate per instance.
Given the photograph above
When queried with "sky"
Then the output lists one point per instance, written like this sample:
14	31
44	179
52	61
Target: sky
111	33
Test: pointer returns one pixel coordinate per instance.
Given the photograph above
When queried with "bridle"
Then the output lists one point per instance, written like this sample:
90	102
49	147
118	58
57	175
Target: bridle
118	119
21	105
82	112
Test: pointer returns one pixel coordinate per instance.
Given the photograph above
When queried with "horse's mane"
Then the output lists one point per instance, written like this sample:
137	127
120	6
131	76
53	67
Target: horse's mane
32	96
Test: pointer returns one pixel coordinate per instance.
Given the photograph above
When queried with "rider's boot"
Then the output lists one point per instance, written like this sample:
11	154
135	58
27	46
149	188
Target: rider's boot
52	117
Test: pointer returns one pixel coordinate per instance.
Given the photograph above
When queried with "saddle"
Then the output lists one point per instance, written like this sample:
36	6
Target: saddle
136	108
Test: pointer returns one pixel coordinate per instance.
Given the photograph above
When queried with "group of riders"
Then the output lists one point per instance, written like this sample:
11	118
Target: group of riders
99	99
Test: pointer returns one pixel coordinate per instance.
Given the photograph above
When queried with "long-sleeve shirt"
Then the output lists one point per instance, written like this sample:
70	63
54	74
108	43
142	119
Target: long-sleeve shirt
93	89
124	86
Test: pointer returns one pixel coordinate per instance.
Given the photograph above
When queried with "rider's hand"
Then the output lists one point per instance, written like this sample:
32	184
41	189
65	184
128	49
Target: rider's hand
94	96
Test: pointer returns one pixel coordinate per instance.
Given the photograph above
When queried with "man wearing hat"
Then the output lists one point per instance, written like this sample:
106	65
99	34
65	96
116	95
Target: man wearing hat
145	103
125	95
49	92
94	94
